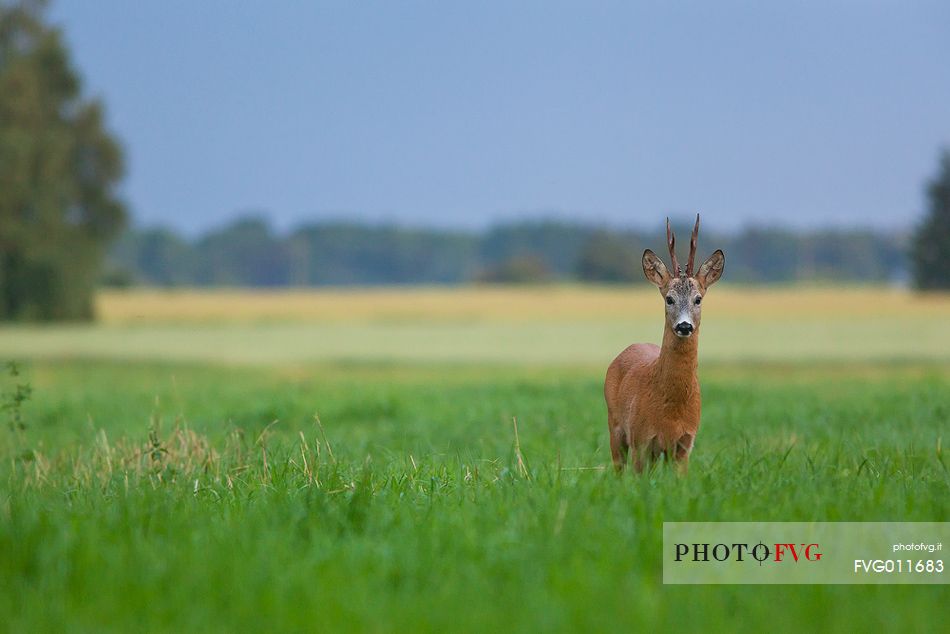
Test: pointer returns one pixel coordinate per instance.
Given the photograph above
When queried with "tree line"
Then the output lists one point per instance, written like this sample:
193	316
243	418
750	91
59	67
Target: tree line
248	252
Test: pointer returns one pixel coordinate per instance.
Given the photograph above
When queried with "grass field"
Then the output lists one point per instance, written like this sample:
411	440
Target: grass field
231	462
565	326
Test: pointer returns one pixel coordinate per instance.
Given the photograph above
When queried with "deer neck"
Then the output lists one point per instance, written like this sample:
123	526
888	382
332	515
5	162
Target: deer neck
675	369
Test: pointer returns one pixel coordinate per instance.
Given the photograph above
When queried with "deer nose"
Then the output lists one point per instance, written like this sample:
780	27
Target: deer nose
684	328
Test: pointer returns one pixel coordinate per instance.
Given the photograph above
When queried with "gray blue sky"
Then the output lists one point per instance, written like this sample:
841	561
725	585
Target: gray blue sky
465	113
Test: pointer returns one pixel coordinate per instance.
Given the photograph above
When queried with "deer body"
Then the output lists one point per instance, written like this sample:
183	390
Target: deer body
652	393
653	402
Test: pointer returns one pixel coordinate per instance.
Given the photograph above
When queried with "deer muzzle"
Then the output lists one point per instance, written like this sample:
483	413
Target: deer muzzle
683	328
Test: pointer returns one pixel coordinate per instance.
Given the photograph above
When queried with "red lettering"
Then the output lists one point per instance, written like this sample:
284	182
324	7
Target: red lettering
780	551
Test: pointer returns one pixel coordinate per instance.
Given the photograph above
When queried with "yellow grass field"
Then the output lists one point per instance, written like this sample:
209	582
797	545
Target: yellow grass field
564	325
503	304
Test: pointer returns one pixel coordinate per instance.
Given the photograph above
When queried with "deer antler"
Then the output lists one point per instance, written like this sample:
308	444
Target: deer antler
692	248
671	242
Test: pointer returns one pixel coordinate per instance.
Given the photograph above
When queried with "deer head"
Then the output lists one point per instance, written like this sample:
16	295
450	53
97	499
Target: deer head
683	291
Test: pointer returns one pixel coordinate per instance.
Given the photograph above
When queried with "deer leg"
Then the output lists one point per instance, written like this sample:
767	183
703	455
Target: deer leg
682	466
683	448
641	455
618	448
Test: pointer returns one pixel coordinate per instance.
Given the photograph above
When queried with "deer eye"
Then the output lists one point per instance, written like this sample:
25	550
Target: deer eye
698	301
669	300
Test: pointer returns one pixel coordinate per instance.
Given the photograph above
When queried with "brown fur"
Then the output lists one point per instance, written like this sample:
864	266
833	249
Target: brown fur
652	393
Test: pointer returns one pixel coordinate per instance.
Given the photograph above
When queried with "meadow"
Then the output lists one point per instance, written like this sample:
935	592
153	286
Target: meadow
437	459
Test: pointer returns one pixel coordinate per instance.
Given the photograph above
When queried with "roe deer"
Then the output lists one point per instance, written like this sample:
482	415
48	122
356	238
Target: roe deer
652	393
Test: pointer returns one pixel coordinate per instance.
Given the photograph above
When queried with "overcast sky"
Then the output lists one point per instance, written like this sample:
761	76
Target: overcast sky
464	113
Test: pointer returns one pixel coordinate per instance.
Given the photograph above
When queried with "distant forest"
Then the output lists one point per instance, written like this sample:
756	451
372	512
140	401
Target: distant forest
249	252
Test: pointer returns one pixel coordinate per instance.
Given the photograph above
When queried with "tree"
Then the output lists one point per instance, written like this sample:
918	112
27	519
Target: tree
244	253
518	269
347	253
58	172
156	256
557	244
930	251
608	257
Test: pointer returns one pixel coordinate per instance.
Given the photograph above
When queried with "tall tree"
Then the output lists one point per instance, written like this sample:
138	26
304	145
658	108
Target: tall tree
58	171
930	251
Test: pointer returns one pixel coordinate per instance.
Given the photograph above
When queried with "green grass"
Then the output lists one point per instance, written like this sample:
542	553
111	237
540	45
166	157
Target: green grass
586	341
409	509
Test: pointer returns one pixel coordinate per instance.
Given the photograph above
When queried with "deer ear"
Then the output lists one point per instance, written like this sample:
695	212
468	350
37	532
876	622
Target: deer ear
711	270
654	269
